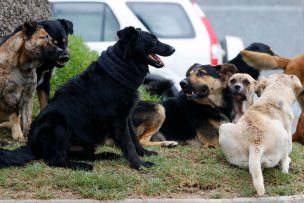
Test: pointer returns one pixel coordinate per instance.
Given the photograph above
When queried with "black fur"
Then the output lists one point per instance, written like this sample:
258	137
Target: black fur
186	115
58	30
92	107
243	67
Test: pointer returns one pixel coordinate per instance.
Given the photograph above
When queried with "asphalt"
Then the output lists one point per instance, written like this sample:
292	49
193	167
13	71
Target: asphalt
279	199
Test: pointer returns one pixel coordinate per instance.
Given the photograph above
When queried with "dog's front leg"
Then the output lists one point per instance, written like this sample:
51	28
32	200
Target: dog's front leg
124	141
139	148
26	107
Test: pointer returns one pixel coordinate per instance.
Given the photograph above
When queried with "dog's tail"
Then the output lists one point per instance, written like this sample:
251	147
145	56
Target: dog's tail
17	157
255	169
160	87
262	61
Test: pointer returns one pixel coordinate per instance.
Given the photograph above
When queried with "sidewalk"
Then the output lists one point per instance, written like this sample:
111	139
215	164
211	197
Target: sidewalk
279	199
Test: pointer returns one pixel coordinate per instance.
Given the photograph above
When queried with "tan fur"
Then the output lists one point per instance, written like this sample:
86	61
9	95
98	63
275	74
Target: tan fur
42	98
262	136
147	129
19	56
263	61
216	86
247	88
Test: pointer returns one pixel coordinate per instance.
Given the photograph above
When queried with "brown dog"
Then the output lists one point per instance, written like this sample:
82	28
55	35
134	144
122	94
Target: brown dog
242	86
262	61
20	55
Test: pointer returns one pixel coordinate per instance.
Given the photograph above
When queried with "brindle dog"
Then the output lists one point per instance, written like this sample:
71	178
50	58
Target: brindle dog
20	55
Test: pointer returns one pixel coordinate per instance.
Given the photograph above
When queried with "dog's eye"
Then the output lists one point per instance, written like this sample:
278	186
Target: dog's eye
55	42
201	73
232	81
44	37
246	82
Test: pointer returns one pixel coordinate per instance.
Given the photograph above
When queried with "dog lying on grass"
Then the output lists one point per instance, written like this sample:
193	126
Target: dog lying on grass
195	114
93	106
20	55
262	136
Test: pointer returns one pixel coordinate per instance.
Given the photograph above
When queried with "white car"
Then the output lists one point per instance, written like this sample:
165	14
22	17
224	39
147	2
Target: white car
180	23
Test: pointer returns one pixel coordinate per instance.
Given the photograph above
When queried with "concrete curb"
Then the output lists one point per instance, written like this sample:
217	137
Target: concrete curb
279	199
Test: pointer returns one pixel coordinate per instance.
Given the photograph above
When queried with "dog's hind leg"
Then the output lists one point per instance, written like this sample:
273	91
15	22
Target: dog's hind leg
285	164
145	139
139	148
256	170
15	127
125	142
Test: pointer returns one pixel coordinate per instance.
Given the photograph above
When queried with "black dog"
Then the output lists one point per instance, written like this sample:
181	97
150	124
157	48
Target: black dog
94	106
243	67
58	30
195	114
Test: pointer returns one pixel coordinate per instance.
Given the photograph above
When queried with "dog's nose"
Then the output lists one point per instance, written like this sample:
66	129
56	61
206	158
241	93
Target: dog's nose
64	57
237	87
59	51
172	50
183	83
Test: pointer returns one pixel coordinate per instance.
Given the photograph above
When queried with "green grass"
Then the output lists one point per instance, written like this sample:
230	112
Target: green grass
180	172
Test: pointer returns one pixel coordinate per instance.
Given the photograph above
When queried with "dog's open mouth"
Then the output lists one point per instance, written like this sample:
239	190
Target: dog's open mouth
194	94
62	59
239	96
155	61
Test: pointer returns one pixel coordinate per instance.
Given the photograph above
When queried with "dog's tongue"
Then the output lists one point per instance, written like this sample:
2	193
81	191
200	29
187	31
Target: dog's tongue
154	57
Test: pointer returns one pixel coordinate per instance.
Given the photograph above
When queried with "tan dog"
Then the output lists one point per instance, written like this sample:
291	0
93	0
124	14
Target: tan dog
19	56
242	86
262	136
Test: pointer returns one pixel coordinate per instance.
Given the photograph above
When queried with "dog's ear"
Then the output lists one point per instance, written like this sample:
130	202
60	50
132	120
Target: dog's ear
260	86
29	28
297	86
68	25
226	70
191	68
128	33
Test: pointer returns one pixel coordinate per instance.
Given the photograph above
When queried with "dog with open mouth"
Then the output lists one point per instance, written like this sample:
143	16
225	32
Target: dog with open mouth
58	30
195	114
94	106
242	86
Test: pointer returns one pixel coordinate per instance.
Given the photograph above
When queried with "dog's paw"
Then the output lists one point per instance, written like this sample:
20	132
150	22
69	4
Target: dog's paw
148	164
17	134
150	153
142	164
260	191
171	144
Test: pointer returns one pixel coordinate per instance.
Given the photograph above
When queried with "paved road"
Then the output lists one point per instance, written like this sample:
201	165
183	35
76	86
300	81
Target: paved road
278	23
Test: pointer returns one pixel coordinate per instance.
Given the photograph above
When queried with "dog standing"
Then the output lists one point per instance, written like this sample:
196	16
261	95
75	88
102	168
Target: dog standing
20	55
93	106
242	86
262	136
58	30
